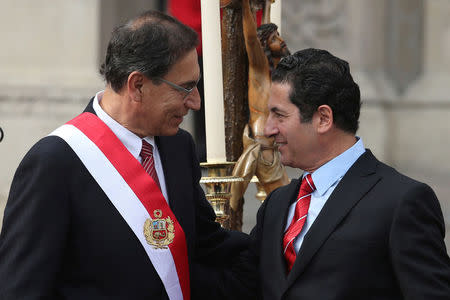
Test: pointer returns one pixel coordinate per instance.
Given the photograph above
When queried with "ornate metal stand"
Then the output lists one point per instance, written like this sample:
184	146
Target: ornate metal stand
218	186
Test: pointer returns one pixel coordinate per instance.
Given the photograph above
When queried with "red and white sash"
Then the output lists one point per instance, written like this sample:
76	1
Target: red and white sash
135	195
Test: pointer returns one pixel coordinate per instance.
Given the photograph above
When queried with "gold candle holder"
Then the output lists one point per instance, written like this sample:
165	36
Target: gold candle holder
218	188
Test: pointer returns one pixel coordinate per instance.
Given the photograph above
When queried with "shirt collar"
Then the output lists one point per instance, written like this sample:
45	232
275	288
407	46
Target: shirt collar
130	140
331	172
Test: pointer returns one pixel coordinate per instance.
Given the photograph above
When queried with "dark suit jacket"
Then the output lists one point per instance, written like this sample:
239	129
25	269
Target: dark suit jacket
379	236
63	239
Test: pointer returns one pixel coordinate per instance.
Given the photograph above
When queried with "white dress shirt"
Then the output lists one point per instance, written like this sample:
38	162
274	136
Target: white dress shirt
131	141
326	178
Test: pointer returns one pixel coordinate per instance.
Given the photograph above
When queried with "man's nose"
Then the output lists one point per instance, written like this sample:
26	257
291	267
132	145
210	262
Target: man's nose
193	101
270	128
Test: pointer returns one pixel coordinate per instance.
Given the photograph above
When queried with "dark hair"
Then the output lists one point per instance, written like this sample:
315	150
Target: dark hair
150	43
316	78
263	32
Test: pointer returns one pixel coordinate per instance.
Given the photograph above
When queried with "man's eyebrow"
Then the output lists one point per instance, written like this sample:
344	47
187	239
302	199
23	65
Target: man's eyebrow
275	109
191	83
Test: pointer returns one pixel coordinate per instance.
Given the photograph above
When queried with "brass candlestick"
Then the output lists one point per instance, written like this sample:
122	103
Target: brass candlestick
218	187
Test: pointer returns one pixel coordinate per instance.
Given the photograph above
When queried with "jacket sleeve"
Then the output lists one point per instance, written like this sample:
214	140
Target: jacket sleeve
34	227
418	253
219	266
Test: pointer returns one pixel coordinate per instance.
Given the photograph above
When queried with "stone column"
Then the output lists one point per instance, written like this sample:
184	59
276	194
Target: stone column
355	31
423	134
433	86
49	71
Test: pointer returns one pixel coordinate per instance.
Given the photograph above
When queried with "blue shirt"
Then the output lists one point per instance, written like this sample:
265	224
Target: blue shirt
325	178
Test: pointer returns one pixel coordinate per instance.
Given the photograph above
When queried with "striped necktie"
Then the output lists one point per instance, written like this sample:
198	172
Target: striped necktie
301	211
147	161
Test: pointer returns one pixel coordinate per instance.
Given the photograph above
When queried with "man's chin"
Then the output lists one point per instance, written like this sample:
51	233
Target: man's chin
283	159
285	162
170	131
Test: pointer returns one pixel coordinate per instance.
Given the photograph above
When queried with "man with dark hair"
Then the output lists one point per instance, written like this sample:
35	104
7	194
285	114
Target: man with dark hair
109	205
351	227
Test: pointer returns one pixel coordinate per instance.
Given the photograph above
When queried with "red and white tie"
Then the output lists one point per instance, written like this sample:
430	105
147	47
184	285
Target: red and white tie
301	211
147	161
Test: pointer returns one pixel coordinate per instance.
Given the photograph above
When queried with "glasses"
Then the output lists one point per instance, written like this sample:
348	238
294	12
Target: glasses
178	87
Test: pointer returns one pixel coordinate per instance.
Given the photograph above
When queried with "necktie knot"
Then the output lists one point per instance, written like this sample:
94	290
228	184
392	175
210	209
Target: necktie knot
307	186
148	162
146	151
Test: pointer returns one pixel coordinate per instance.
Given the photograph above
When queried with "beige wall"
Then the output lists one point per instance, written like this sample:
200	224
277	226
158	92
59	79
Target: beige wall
49	43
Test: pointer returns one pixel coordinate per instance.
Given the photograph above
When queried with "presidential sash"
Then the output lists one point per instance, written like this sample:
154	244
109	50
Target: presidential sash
135	195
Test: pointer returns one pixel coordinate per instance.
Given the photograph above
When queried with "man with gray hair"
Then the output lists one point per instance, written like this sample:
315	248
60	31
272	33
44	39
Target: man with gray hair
109	206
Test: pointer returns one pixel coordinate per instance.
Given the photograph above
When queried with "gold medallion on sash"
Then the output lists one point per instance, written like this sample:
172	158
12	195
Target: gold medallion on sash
159	232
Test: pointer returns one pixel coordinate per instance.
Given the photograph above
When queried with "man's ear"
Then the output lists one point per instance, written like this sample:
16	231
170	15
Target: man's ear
135	82
324	118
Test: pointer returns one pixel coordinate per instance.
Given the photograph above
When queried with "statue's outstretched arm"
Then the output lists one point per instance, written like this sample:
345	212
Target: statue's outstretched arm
256	57
259	75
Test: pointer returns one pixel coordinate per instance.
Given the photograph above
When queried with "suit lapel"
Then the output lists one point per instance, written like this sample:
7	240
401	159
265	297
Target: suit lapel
359	179
274	224
178	189
169	170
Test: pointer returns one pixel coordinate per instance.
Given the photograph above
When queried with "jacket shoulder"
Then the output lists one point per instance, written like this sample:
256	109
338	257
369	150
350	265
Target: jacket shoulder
51	149
388	174
393	176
